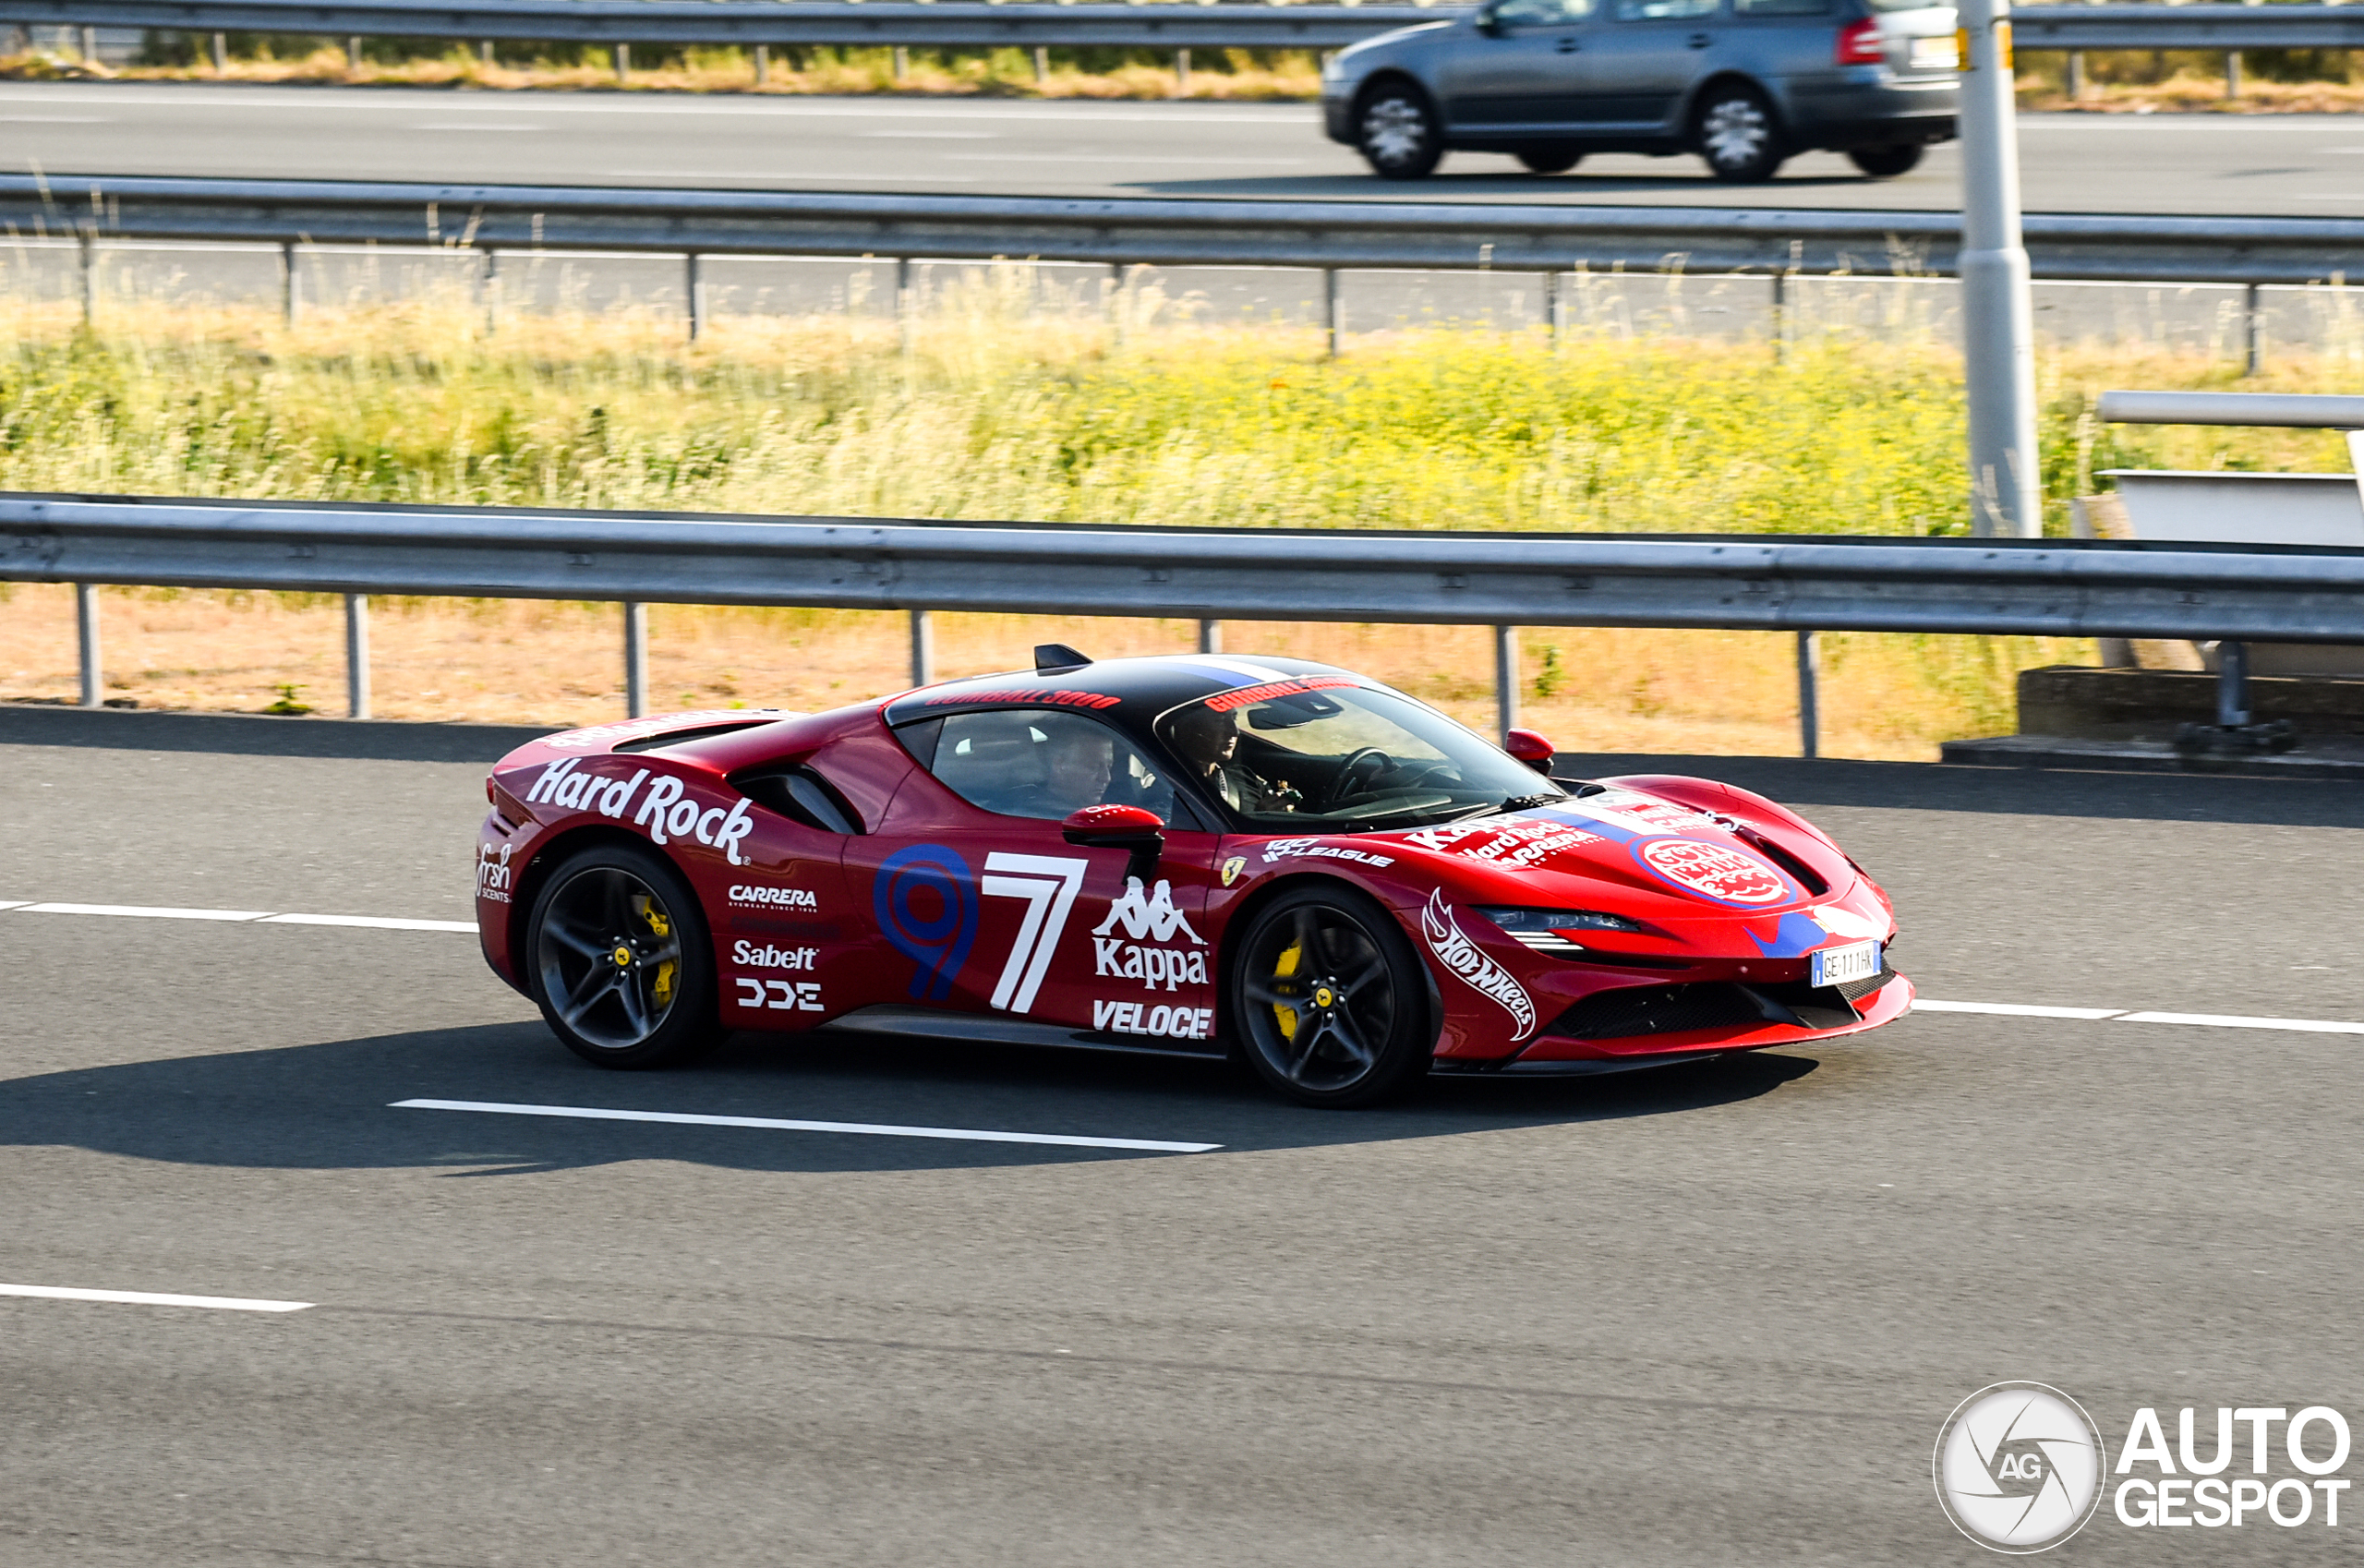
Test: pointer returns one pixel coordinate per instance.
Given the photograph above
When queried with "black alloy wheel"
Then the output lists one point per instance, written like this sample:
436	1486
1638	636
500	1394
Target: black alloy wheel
1329	1003
1887	162
622	964
1550	159
1396	130
1737	134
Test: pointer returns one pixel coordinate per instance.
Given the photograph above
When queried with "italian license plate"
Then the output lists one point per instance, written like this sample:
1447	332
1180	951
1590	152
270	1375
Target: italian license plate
1837	966
1937	53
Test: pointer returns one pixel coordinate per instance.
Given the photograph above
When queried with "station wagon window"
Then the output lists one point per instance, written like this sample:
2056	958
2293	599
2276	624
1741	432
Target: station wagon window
1539	13
1665	10
1045	763
1784	7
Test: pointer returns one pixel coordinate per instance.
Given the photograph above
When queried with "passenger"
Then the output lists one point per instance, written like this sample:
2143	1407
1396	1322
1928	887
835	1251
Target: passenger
1081	761
1208	744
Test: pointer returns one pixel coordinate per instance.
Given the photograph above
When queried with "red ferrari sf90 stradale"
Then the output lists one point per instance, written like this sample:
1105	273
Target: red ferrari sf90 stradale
1194	855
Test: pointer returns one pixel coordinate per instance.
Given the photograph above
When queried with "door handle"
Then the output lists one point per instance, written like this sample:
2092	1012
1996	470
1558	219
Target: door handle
1567	46
1701	39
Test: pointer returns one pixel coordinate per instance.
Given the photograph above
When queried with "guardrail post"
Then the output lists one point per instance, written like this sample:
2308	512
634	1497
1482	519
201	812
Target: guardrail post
488	290
1116	302
636	659
1042	65
697	295
220	54
2253	330
484	52
762	64
1505	682
86	639
353	53
356	656
1334	304
1210	636
291	285
1181	73
906	303
923	648
2232	73
2076	74
1780	316
1809	695
90	42
902	62
89	262
1552	309
622	57
2232	684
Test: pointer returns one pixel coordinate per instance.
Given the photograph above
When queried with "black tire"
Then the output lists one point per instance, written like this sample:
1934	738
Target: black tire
1328	1001
655	1005
1887	162
1398	134
1737	134
1550	159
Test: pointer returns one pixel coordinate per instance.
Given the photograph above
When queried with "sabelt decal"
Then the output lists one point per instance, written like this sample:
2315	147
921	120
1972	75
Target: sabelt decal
1483	975
665	813
778	996
1314	849
1149	919
1716	871
762	955
1139	1018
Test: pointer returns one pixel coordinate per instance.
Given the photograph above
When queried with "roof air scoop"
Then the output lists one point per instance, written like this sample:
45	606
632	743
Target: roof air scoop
1049	657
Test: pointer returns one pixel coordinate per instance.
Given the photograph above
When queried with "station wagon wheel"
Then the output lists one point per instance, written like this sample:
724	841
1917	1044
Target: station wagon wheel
1549	158
1887	162
1738	136
1396	131
1328	1001
621	962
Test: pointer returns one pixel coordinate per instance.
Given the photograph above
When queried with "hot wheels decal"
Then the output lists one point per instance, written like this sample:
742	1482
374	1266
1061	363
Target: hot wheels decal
1719	871
1483	975
924	899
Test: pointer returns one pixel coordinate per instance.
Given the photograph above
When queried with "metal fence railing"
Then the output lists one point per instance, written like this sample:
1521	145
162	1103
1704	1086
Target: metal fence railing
1800	586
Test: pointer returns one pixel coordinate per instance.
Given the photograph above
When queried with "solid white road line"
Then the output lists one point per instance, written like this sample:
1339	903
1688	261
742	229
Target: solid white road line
2010	1009
2217	1020
150	1298
142	912
378	923
874	1129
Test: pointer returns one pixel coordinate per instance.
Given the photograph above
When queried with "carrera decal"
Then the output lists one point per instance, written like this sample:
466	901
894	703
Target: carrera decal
924	899
1229	702
1483	975
1059	698
1048	884
761	895
1147	919
1719	873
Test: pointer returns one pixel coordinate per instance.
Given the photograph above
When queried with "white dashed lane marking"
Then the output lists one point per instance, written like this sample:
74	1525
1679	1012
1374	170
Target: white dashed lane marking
873	1129
151	1298
1920	1005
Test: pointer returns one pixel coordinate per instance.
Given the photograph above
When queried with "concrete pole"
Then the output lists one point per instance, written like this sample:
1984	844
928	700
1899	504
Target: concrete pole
907	304
1211	636
1505	682
353	53
695	282
220	54
2076	74
489	292
484	52
1042	65
635	660
1181	73
923	648
291	284
2232	73
1999	334
623	54
90	253
1809	695
762	64
356	656
86	636
2252	331
1334	307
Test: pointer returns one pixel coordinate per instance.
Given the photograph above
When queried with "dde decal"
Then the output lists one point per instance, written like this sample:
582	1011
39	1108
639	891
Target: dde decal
779	996
666	815
1147	919
1440	925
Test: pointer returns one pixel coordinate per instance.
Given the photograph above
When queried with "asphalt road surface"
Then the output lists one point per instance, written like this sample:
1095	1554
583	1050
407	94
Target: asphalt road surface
1709	1316
2304	165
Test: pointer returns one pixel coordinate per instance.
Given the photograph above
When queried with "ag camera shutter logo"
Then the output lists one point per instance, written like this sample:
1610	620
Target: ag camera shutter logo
2018	1467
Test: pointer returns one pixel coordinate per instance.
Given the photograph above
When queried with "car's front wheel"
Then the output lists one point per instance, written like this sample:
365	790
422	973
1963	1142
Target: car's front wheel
1887	162
1398	133
1329	1002
1738	136
1550	159
622	964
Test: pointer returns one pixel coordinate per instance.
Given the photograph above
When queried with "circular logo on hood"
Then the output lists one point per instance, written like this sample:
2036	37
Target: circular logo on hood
2018	1467
1714	871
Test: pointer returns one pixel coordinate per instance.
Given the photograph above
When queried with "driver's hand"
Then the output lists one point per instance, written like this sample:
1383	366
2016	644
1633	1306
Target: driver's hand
1284	797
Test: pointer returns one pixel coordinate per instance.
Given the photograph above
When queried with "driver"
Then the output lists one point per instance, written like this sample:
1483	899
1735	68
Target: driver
1208	743
1081	759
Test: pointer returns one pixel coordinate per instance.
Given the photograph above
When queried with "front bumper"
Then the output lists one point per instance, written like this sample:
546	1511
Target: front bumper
1567	1054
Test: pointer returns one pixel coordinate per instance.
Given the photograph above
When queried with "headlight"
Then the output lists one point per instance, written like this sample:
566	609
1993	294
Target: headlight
1333	66
1522	922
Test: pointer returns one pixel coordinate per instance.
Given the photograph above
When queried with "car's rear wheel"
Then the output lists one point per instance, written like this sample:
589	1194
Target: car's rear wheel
1396	131
1887	162
1550	159
1738	136
622	967
1328	1000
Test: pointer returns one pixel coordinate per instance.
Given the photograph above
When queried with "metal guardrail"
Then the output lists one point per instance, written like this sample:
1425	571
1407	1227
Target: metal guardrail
1126	232
2303	410
1802	585
956	24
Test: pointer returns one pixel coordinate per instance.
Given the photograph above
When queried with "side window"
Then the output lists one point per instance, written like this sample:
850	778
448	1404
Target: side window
1665	10
801	795
1044	763
1541	13
1784	7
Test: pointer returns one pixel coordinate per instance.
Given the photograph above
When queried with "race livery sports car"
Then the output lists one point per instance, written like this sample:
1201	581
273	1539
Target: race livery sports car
1195	855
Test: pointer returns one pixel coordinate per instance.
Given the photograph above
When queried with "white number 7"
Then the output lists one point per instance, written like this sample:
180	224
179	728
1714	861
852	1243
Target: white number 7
1048	884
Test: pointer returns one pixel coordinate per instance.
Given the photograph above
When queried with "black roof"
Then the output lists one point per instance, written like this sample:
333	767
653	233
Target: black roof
1131	692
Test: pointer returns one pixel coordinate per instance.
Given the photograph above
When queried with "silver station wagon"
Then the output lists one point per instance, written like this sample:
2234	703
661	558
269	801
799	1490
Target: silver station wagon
1744	83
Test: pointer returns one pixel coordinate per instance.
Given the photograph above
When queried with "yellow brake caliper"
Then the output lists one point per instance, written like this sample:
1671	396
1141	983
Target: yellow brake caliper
661	988
1285	967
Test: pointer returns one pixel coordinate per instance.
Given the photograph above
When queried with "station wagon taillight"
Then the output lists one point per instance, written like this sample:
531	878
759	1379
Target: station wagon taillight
1859	44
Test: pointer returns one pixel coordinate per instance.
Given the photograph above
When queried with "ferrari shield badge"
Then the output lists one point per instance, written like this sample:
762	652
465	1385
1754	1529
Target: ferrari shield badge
1231	868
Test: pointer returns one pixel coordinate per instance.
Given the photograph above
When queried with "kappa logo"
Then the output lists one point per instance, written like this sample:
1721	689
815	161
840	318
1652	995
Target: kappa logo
1482	974
1153	918
1148	919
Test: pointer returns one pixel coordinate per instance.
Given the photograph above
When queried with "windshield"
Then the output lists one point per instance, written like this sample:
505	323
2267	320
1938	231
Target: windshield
1326	754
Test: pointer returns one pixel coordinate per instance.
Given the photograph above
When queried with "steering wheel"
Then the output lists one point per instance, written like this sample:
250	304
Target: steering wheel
1342	786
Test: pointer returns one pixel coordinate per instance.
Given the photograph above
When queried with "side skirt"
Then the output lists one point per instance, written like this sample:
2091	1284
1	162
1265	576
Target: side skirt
927	1023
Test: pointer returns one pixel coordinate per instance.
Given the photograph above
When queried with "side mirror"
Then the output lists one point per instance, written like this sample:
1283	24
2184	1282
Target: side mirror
1119	828
1529	746
1486	23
